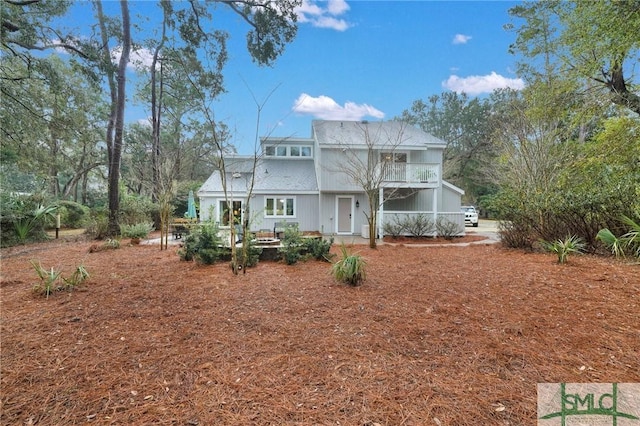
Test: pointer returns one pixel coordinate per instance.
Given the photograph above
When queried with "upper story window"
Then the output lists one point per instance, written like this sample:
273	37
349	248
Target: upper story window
287	151
393	157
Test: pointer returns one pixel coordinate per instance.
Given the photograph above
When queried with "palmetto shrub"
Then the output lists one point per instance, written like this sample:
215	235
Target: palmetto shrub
628	243
350	268
563	248
52	280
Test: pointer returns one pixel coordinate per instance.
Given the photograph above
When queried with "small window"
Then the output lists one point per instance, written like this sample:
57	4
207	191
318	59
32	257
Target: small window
281	151
270	150
279	207
295	151
305	151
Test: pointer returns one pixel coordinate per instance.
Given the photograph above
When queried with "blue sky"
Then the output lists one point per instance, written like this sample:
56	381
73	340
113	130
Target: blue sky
361	60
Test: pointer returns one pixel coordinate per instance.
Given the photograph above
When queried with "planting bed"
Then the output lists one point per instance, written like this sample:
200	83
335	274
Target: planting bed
435	336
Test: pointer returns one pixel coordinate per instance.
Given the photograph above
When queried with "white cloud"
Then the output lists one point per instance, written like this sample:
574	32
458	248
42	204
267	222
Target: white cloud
337	7
324	14
146	122
326	108
477	84
460	39
139	59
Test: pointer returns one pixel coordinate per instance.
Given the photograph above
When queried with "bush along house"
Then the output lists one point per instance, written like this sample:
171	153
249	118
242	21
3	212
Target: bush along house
322	183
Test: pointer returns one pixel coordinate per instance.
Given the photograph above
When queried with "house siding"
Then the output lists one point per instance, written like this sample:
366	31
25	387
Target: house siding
328	209
332	178
306	214
317	181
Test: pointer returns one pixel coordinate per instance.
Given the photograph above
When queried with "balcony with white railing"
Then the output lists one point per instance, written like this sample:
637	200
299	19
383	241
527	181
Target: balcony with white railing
424	175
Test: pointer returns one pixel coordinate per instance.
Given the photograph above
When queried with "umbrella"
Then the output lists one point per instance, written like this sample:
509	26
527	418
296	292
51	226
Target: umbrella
191	207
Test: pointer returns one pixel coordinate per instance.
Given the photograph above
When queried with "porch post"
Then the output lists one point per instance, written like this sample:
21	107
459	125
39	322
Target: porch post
381	212
435	208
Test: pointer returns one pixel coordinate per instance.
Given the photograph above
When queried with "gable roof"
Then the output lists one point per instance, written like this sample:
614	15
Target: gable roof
272	176
381	133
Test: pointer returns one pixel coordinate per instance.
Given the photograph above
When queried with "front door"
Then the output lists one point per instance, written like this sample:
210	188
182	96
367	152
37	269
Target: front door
345	215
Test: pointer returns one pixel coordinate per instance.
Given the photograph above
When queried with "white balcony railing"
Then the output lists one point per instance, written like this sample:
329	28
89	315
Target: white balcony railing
411	172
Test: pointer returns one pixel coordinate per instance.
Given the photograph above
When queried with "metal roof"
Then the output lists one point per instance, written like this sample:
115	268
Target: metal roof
272	176
380	134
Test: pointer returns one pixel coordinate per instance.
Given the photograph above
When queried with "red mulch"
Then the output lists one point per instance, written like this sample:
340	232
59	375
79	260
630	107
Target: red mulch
468	238
435	336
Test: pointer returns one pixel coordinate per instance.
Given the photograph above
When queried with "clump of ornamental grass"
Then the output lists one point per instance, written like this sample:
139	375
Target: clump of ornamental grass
350	268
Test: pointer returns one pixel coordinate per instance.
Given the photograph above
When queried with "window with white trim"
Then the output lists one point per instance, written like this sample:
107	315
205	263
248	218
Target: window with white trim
279	207
287	151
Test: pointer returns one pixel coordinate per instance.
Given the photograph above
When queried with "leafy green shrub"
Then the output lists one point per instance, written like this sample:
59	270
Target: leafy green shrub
72	214
571	244
447	229
137	209
108	244
516	234
291	249
189	248
350	269
137	230
203	245
419	225
318	248
112	243
52	280
98	223
394	228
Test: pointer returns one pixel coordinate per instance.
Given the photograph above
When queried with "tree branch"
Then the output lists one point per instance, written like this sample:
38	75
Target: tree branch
21	2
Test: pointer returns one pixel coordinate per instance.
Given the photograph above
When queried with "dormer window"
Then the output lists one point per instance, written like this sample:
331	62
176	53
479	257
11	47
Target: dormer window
287	151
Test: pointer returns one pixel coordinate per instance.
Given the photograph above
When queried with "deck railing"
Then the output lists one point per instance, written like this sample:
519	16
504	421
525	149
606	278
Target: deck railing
411	172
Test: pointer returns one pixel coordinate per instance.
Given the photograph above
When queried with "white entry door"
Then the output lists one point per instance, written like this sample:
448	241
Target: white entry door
345	215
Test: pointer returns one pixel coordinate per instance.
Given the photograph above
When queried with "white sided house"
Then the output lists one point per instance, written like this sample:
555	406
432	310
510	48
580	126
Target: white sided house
317	182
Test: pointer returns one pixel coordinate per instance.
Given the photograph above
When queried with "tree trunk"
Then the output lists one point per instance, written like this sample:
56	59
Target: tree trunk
116	153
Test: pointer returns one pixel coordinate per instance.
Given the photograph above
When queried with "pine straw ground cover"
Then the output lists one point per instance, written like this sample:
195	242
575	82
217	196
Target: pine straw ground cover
435	336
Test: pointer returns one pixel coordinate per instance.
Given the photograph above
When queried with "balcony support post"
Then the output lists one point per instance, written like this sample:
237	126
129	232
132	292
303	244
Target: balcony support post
381	212
435	207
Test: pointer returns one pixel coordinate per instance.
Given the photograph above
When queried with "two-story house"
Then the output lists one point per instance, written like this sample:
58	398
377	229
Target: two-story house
320	182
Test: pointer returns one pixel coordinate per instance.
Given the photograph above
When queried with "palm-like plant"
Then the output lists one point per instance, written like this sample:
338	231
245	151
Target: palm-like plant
631	239
628	242
350	269
48	279
614	243
25	225
562	248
